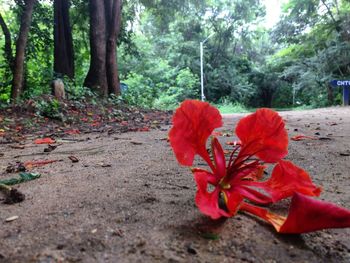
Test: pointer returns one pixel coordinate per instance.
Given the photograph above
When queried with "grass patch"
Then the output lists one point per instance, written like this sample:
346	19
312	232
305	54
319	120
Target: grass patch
232	108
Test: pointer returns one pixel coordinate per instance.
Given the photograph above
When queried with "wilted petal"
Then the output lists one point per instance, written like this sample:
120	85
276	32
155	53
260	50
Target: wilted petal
193	122
263	134
305	215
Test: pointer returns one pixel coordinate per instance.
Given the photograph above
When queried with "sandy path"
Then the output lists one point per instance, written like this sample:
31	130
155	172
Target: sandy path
127	200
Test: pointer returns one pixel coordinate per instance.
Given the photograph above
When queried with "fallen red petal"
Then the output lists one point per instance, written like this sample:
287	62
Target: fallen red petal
44	141
305	215
302	137
32	164
72	132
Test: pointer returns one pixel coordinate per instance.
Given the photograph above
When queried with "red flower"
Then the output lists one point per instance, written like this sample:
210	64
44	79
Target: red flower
225	189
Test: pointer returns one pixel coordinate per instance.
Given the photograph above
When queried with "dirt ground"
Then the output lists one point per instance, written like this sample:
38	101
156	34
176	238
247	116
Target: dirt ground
128	200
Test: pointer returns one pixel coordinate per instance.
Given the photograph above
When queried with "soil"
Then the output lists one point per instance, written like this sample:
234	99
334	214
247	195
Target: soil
124	198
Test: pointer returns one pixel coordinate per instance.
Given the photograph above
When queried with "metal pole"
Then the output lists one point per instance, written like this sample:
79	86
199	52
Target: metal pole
202	77
202	74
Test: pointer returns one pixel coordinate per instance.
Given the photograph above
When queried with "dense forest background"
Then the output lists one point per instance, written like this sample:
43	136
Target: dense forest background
152	48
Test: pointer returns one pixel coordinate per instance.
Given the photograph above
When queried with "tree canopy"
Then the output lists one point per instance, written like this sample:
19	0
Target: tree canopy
152	48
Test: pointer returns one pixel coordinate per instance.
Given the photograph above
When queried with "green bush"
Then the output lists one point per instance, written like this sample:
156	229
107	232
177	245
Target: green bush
49	108
141	91
186	87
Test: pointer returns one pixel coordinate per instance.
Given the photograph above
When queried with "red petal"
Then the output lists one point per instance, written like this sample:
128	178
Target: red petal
302	137
44	141
263	134
305	215
39	163
253	195
72	132
208	203
287	179
219	158
233	201
193	122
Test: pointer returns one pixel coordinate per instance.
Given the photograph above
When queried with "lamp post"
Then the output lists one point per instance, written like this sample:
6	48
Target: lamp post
202	75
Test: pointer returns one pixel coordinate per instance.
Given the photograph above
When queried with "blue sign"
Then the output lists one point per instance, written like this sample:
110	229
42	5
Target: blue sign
340	83
345	84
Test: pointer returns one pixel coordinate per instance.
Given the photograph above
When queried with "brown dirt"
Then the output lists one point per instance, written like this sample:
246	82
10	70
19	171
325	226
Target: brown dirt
127	200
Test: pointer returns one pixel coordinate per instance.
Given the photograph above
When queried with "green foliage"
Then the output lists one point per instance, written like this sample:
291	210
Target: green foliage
186	87
49	108
140	92
245	64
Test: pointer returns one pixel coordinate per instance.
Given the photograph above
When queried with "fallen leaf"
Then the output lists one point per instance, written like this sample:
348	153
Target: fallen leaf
136	143
50	148
210	236
12	218
143	129
15	168
20	147
72	132
324	138
73	159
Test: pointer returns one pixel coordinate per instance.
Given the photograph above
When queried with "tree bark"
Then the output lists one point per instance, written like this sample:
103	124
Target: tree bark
111	59
21	44
63	43
96	77
330	96
8	43
105	21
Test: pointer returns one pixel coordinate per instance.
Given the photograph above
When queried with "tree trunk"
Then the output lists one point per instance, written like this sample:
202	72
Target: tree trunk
105	21
111	59
63	43
330	96
8	44
96	77
21	43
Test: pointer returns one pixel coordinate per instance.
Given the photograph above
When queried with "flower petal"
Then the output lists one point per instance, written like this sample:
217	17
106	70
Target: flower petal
233	201
219	158
208	203
305	215
193	122
263	134
287	179
253	195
